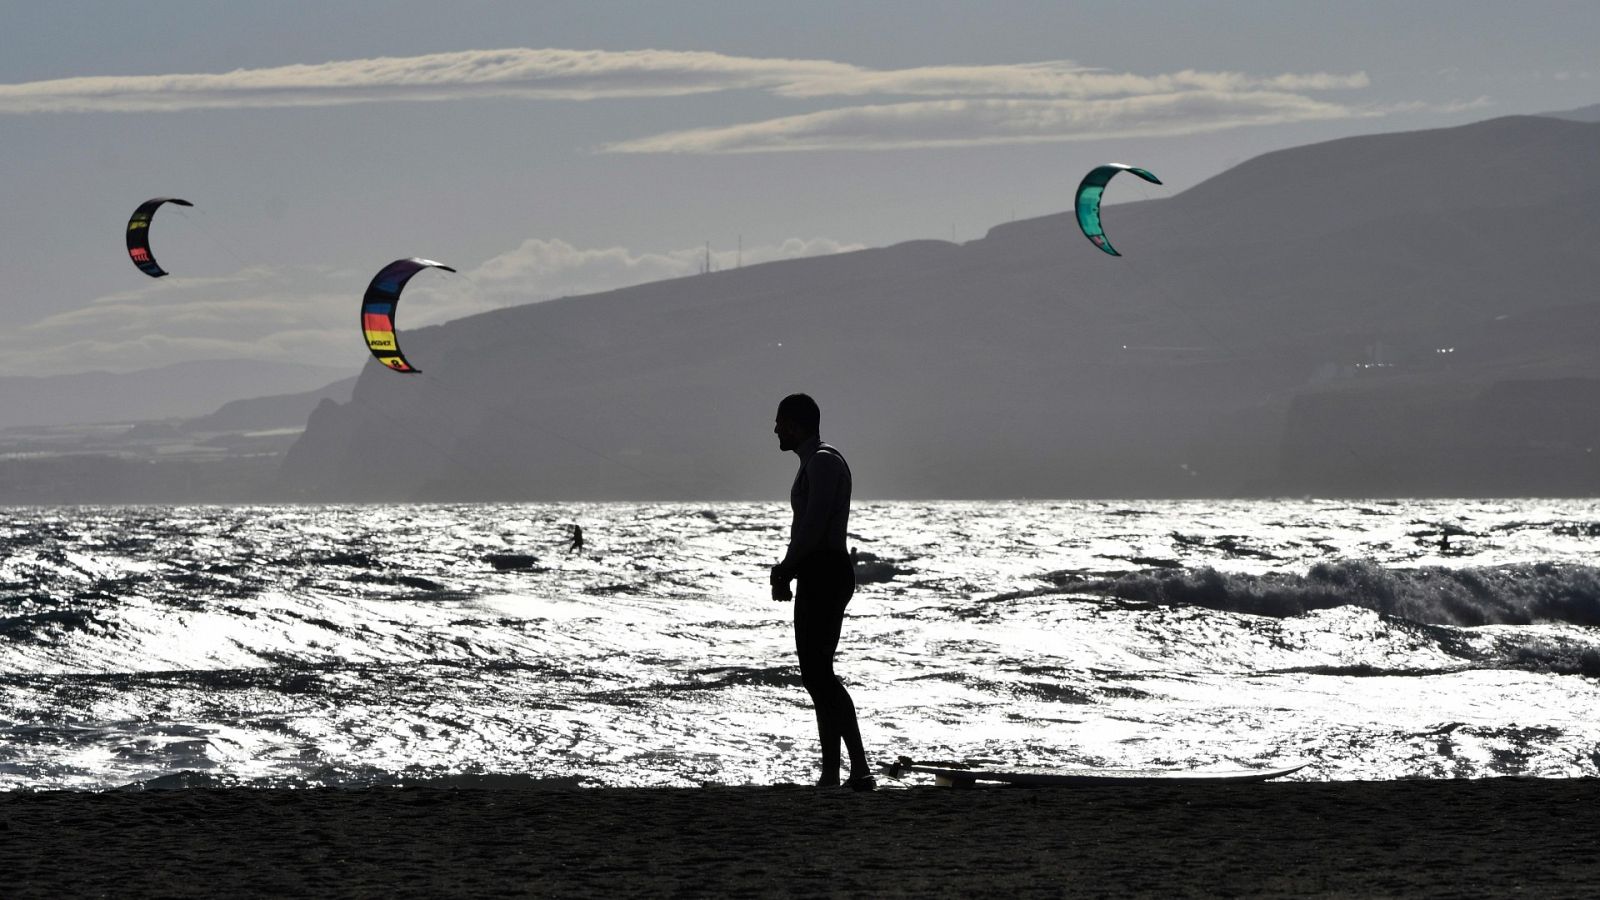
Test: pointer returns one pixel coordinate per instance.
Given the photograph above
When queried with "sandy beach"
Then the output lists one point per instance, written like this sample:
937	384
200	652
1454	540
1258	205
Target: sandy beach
1409	838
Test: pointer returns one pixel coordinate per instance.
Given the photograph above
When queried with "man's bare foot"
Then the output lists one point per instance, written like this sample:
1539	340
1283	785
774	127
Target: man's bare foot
862	783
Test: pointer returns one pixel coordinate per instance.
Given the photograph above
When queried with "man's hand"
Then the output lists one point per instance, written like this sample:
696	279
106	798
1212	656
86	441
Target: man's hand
780	584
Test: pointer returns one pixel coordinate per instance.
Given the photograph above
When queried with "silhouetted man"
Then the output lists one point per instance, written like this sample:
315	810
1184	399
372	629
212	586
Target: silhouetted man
820	564
577	539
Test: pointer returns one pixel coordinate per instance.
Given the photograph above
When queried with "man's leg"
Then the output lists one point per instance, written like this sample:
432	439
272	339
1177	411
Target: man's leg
819	617
816	636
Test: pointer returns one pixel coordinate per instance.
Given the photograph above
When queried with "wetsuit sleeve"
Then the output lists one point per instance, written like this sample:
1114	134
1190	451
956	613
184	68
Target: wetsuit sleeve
823	473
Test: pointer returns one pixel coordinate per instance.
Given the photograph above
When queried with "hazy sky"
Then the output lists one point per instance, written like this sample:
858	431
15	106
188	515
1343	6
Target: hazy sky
555	148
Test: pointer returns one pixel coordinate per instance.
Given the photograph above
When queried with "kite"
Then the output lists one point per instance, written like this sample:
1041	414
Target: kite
1088	201
139	235
377	310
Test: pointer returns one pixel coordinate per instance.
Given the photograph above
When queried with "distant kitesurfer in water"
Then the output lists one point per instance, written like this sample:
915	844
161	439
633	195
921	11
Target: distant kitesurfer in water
577	539
820	564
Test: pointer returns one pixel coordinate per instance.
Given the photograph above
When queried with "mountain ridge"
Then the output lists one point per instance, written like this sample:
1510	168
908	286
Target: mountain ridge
1021	364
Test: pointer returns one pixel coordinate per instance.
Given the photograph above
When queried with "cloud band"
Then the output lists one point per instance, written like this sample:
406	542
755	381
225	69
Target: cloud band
559	74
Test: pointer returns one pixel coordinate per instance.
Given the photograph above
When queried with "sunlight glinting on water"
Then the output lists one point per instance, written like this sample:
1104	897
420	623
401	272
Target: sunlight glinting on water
350	645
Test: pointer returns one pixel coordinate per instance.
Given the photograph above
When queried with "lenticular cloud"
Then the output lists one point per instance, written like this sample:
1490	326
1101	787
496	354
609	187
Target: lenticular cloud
577	75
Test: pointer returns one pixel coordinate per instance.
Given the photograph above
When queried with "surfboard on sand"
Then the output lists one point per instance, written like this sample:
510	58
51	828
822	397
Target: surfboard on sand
962	777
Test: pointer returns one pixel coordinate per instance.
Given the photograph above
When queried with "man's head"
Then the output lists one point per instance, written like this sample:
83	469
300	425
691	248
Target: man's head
798	420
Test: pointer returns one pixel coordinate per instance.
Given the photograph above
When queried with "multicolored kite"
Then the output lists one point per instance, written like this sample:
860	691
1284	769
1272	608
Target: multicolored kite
139	235
377	309
1088	201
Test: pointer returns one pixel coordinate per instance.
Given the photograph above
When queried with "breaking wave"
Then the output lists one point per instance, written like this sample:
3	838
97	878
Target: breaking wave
1514	594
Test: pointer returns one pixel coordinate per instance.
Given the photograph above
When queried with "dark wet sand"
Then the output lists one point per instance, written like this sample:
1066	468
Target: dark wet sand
1489	838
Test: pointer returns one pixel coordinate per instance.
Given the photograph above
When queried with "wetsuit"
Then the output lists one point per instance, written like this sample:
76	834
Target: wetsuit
825	581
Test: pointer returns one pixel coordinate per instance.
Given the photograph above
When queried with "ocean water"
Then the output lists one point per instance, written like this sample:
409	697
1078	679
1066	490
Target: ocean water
392	644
